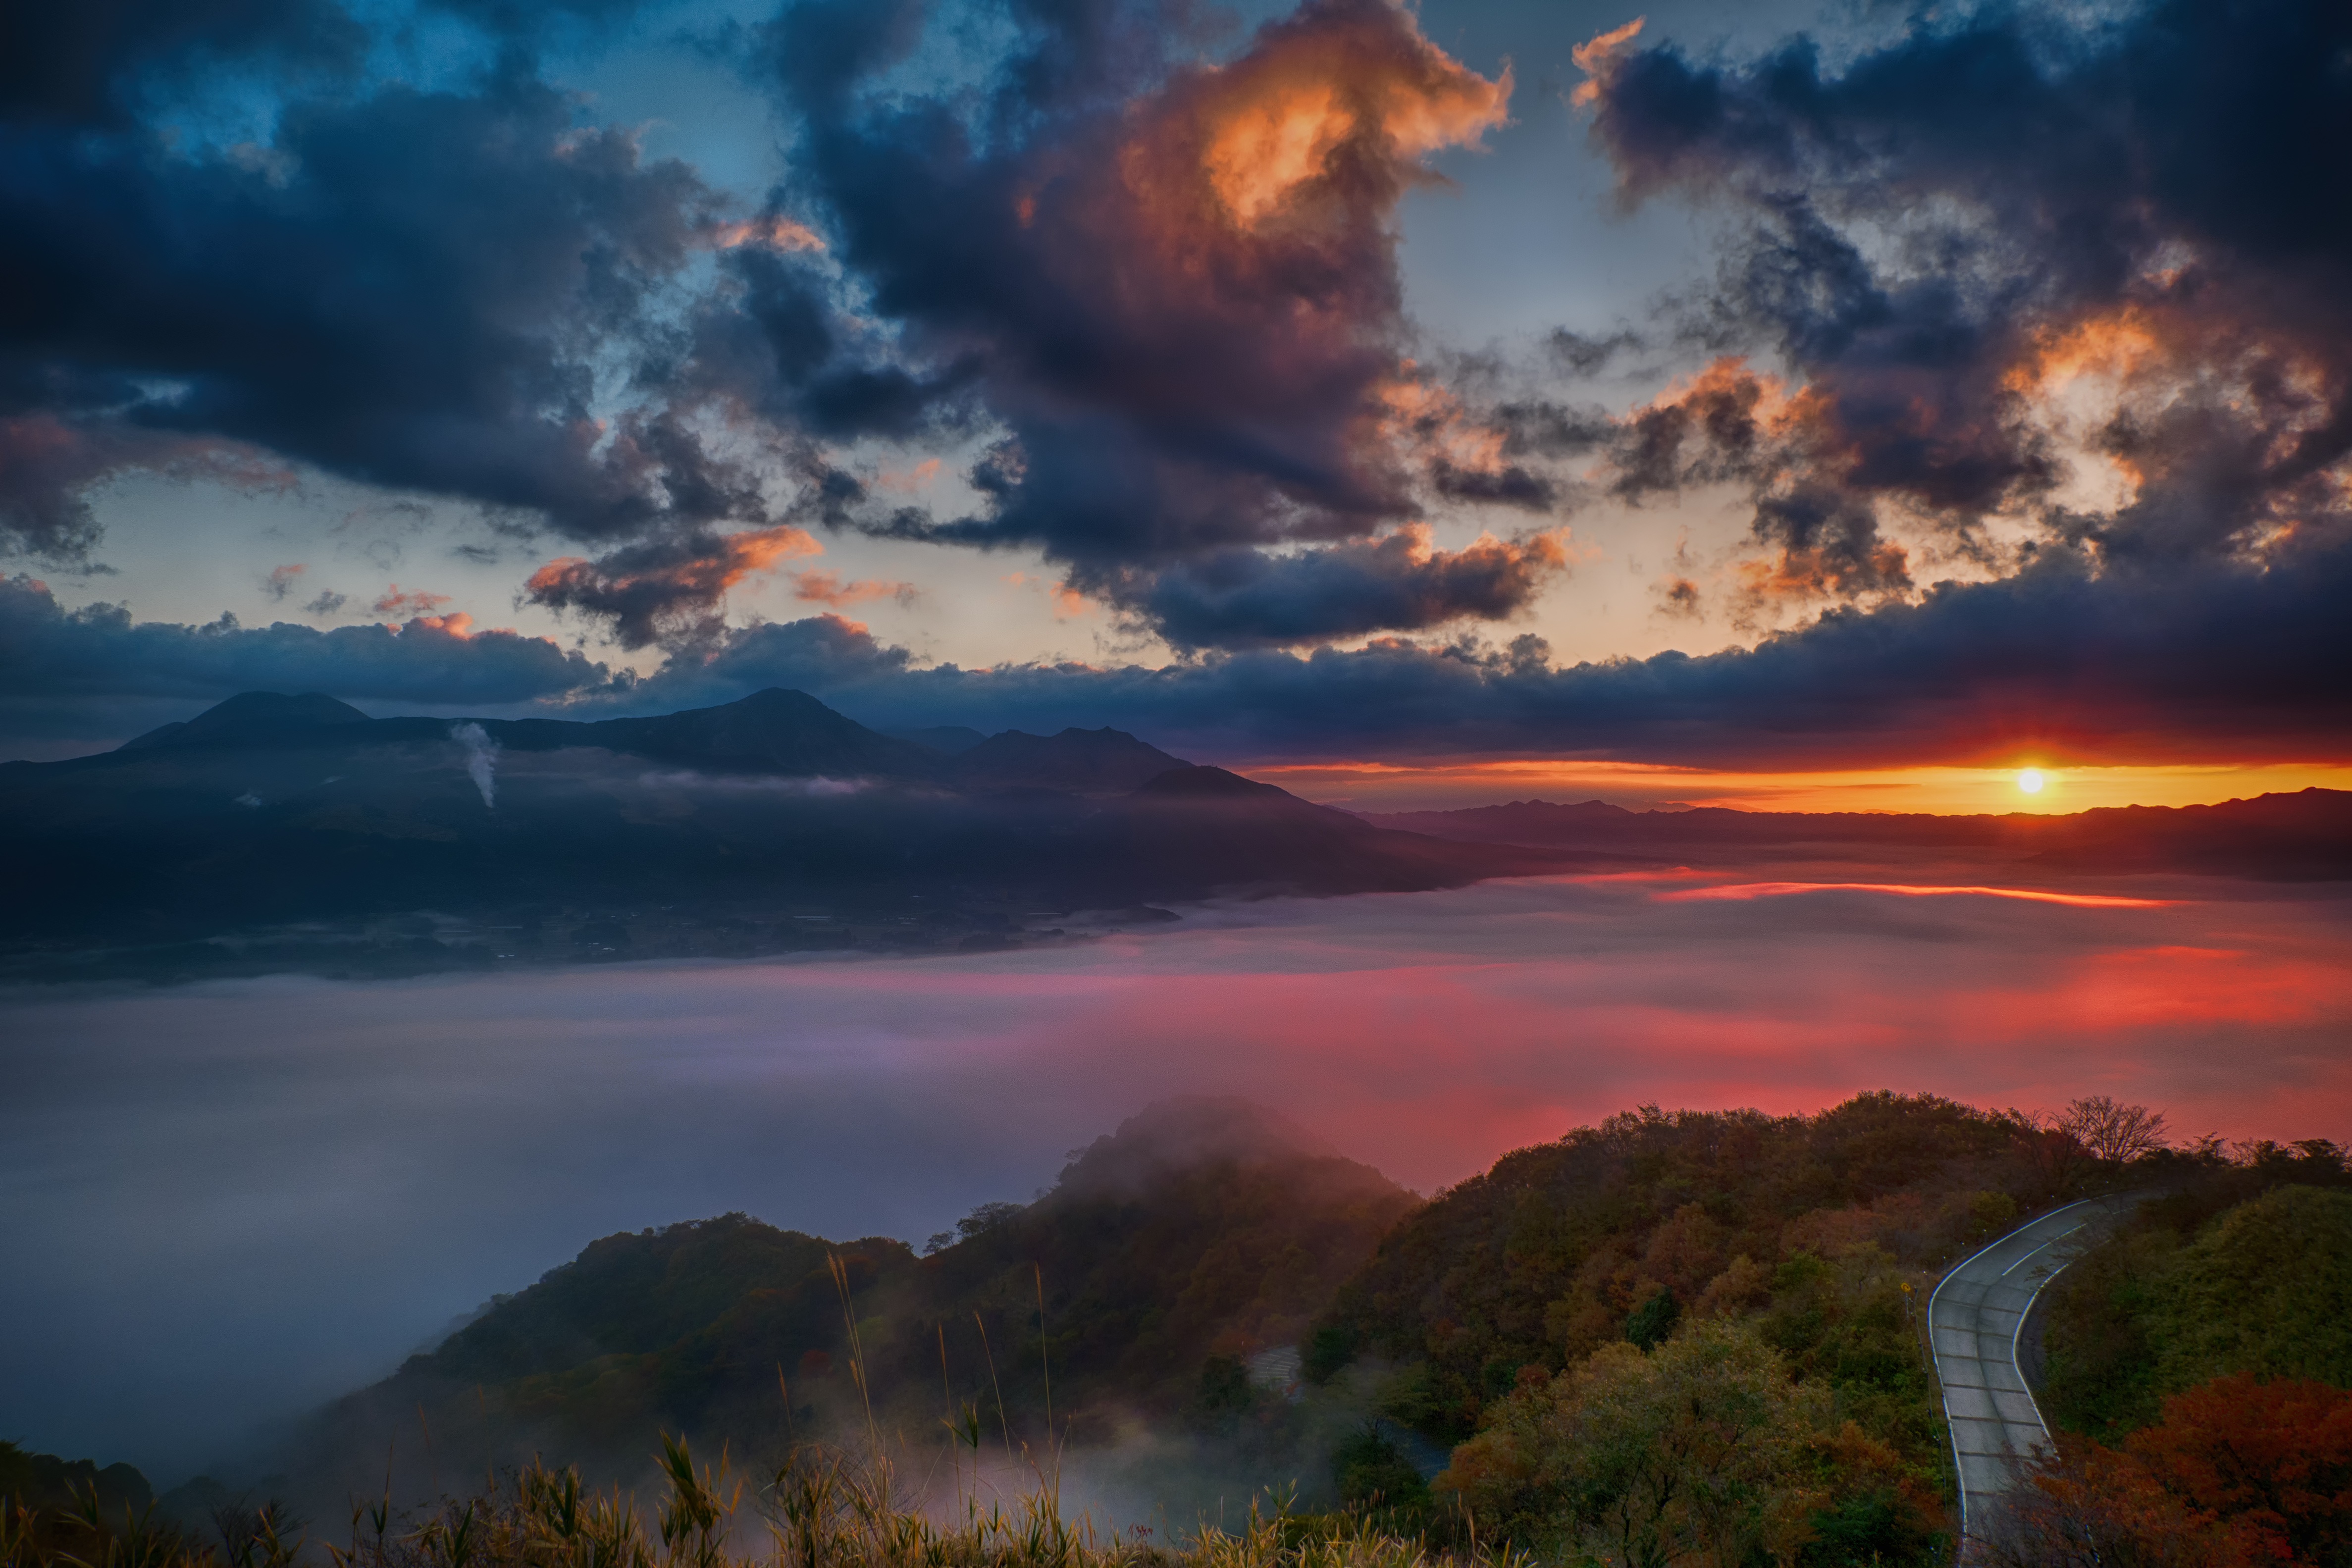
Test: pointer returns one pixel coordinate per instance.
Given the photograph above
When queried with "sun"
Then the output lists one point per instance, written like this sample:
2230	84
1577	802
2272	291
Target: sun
2030	780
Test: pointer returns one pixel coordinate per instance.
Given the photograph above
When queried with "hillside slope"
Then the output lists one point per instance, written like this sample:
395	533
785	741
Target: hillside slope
1198	1228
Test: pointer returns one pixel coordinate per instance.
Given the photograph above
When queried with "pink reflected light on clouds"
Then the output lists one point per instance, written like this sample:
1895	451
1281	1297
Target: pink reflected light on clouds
1746	891
1428	1033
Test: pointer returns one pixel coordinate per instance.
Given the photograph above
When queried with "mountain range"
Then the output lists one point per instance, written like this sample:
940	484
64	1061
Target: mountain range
277	831
2301	836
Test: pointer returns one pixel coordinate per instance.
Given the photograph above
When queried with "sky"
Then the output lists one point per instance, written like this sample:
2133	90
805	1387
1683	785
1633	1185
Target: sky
1829	403
456	1136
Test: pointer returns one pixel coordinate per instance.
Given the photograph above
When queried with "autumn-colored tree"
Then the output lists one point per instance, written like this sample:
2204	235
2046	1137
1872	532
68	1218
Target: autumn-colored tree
2236	1473
2273	1458
1695	1453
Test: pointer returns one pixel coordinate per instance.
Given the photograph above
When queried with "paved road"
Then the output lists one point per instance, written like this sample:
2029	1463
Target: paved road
1975	1320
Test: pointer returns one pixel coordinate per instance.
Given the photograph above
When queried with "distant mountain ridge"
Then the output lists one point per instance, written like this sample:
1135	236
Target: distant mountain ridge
1102	759
768	824
774	732
2301	836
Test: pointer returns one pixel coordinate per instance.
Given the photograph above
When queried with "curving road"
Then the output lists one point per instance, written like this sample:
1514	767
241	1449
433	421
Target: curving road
1976	1319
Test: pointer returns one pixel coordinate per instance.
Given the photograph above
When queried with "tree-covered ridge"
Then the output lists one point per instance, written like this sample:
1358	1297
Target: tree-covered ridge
2243	1267
2199	1377
1549	1255
654	1291
1200	1229
31	1481
1195	1231
1695	1336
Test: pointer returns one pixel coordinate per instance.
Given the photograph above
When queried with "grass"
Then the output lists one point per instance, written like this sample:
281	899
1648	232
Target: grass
822	1508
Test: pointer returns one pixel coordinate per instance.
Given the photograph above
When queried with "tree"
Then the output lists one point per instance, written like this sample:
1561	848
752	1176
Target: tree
1695	1453
2236	1473
2117	1133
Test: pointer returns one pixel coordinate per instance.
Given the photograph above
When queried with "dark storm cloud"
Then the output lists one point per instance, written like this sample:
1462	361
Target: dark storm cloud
415	290
102	63
1949	235
474	294
1174	286
87	64
668	589
2131	664
1242	596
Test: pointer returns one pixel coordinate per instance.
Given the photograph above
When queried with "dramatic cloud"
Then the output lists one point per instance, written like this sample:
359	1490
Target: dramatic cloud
90	64
2082	282
1174	286
413	289
2059	661
2063	310
392	601
46	462
1245	596
2062	662
669	589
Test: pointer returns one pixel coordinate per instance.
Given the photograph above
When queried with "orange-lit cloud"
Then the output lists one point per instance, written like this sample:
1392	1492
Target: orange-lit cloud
2115	343
1068	602
1428	427
1272	126
909	481
1596	57
828	589
1211	428
666	588
392	601
458	625
774	233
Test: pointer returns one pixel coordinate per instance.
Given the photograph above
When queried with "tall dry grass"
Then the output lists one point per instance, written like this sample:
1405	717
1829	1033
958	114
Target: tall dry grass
822	1509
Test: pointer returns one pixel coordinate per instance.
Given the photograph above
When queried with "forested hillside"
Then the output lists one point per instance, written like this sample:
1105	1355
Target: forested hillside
2242	1267
1559	1248
1673	1306
1676	1337
2199	1375
1201	1229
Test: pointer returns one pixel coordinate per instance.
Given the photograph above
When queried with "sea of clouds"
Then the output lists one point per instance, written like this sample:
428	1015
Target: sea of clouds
228	1202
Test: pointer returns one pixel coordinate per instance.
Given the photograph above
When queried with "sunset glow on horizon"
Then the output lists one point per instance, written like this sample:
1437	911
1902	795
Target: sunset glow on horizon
1447	784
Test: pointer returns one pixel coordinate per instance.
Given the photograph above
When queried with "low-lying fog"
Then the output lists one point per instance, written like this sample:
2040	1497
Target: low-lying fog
227	1202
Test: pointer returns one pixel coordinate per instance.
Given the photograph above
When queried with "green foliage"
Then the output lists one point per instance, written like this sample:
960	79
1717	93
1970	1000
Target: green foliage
1653	1319
1868	1530
1690	1453
1193	1236
1328	1348
1374	1473
1224	1384
2266	1290
1549	1255
2264	1286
